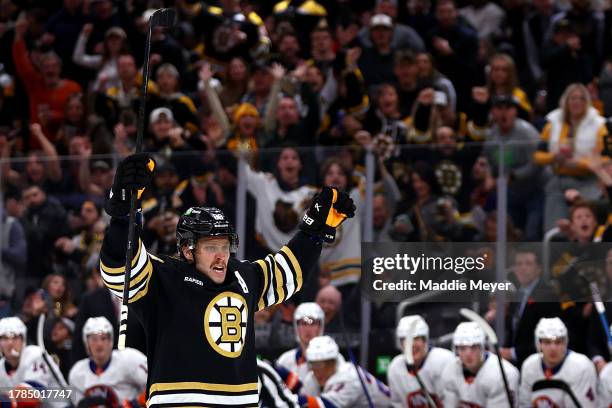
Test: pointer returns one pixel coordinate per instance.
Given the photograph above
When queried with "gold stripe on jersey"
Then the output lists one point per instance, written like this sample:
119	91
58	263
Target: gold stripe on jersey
342	262
120	270
264	268
185	386
134	280
280	282
142	292
282	276
142	268
345	273
296	267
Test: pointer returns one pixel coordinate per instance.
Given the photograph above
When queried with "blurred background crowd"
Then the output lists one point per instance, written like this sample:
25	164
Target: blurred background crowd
452	97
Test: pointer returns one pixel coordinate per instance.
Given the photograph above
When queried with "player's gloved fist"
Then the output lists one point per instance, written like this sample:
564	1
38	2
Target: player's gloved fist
134	173
328	210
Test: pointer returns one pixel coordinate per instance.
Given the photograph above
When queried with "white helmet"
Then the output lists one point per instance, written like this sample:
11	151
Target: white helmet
550	328
97	325
421	329
13	326
469	334
309	311
322	348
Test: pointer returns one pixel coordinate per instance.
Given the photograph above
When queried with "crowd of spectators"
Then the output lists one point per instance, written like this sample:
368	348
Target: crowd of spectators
300	89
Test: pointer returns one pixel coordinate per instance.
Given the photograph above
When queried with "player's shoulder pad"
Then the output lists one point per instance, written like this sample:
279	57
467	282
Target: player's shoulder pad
533	360
397	363
32	351
77	368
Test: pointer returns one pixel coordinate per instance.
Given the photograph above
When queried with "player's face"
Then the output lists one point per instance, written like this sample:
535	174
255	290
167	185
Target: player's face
211	256
308	329
470	356
100	347
323	370
419	349
11	346
553	351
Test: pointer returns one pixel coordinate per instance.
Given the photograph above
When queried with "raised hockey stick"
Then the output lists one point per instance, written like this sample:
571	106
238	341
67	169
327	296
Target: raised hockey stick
354	361
601	311
410	361
59	378
557	384
475	317
160	18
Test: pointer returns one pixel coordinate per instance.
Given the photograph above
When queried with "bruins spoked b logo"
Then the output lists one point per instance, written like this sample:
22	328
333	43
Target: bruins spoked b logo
225	323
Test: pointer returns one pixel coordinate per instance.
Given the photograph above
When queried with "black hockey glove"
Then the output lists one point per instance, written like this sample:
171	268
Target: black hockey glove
135	172
328	210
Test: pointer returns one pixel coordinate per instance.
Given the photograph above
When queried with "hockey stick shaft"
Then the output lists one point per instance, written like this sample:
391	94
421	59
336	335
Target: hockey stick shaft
475	317
59	378
410	360
556	384
354	361
161	17
601	311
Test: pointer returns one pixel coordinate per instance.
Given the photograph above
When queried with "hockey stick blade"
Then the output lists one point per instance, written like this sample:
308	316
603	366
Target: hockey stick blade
165	17
475	317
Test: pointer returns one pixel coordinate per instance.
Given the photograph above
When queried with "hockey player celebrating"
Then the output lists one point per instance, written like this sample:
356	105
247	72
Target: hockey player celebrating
108	375
308	322
406	389
557	376
474	379
23	367
198	310
334	383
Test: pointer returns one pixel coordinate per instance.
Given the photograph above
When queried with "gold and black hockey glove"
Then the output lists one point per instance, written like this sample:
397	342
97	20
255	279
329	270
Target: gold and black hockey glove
328	210
134	173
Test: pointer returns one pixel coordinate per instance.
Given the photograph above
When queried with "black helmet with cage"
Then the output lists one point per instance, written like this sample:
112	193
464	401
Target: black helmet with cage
203	222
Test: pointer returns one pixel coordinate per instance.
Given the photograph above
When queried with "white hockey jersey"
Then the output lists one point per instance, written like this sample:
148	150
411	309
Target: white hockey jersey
32	368
486	389
405	389
342	258
266	189
125	375
294	361
605	386
576	370
343	389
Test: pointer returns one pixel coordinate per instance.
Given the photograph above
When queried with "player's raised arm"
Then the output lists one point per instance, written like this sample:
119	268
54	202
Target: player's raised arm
133	173
284	272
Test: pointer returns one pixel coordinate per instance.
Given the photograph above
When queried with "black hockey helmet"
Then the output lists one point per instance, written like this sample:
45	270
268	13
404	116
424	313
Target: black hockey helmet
201	222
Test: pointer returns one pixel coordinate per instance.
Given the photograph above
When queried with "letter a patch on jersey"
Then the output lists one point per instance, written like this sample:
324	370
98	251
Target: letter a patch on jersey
225	323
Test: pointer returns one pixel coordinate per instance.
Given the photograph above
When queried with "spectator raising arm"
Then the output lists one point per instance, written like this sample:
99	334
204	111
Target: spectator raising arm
52	159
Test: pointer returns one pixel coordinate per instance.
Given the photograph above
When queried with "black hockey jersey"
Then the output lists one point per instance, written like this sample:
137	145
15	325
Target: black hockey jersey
200	335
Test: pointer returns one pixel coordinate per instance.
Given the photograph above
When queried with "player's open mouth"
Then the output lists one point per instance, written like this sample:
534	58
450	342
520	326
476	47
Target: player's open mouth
218	269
